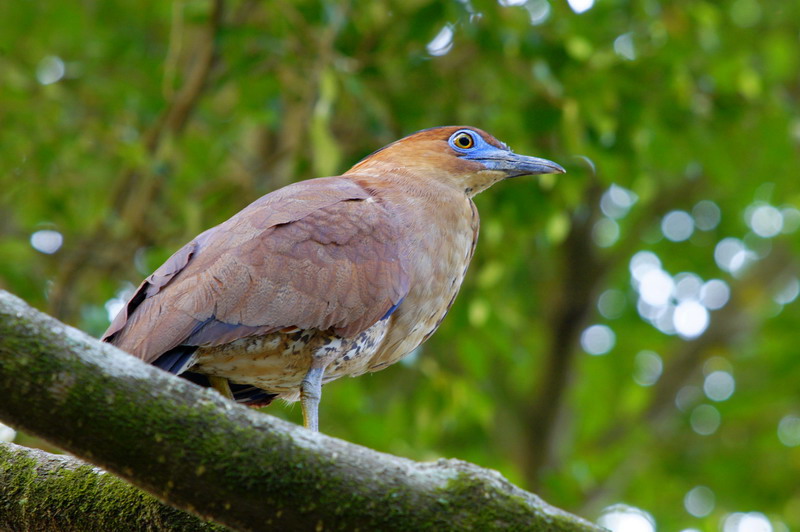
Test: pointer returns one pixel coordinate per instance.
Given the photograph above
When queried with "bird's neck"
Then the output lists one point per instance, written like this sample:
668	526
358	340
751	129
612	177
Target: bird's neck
425	180
402	186
440	218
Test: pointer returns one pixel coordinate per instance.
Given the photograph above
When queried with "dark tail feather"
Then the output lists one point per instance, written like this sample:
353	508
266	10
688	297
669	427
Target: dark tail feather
242	393
176	360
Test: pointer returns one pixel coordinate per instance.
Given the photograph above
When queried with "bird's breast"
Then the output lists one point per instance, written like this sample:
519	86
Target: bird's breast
438	268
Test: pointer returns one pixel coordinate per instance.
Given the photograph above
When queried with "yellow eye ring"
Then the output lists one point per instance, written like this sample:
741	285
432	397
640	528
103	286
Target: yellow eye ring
464	141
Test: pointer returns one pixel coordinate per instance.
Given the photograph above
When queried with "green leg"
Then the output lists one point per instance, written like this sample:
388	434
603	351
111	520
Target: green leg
221	385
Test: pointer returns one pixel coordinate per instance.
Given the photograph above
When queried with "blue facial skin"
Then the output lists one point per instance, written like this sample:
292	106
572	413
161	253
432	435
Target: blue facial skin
502	159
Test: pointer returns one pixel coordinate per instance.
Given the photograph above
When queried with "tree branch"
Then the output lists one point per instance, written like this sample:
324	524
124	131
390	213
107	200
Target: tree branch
57	493
199	452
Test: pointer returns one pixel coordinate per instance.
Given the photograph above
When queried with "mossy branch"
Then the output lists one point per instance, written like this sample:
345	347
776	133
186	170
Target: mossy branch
201	453
57	493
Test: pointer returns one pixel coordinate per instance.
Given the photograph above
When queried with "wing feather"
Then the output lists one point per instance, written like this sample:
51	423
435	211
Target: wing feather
321	254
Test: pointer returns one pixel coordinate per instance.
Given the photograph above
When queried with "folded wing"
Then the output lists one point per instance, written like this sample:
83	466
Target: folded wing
322	254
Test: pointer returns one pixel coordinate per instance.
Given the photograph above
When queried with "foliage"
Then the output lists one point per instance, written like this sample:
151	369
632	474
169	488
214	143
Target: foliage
676	103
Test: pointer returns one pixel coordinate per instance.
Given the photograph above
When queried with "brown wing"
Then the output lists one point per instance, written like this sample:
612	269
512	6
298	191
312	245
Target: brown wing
320	254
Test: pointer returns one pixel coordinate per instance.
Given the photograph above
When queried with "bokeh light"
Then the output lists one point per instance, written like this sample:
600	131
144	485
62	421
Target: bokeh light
605	232
624	47
675	305
705	420
687	286
677	226
50	70
7	434
115	304
719	385
665	319
715	294
656	287
648	368
442	43
791	219
699	501
789	431
624	518
732	255
47	241
788	292
690	319
706	215
642	262
611	304
746	522
617	201
580	6
765	220
539	11
598	339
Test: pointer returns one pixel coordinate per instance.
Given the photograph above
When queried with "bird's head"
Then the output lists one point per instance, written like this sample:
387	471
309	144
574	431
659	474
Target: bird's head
461	156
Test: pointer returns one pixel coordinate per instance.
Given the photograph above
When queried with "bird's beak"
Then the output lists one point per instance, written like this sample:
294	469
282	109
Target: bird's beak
518	165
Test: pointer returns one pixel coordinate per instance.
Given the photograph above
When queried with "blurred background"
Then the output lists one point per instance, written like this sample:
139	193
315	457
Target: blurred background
626	341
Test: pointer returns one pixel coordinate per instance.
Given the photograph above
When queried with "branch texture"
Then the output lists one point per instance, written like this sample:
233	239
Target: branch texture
56	493
249	471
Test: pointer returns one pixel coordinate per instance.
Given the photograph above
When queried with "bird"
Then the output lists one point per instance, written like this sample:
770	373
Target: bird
323	278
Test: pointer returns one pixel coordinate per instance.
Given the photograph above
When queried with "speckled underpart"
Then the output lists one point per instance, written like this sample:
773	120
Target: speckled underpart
278	362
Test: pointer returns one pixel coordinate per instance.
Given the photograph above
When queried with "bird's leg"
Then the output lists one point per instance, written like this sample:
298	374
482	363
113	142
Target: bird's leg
221	385
310	394
311	386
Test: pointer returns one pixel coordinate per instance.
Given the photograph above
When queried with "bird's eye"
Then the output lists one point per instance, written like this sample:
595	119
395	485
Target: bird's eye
463	140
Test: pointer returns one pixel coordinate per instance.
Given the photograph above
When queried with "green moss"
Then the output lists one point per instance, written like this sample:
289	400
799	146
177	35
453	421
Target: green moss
59	497
493	509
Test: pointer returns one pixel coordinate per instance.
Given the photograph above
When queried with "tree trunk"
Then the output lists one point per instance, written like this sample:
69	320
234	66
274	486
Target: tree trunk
201	453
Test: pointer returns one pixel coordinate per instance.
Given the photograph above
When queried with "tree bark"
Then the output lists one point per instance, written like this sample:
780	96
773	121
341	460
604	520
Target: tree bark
199	452
56	493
